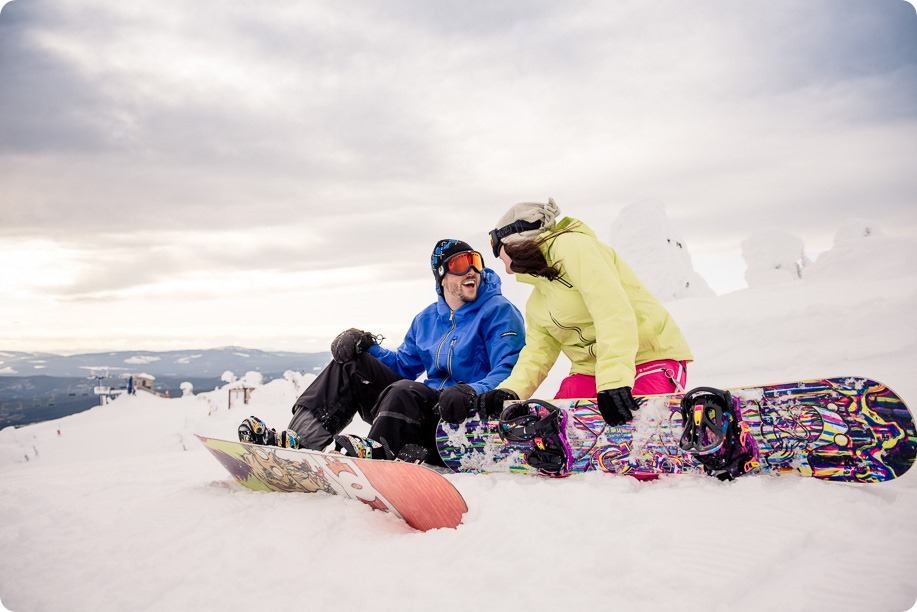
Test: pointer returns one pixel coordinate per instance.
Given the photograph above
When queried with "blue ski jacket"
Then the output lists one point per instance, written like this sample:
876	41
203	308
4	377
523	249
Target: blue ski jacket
478	344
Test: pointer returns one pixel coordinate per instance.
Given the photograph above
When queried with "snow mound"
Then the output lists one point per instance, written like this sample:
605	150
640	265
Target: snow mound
863	253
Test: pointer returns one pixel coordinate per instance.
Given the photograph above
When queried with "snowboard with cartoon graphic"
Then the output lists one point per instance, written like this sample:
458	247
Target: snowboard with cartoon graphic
849	429
421	497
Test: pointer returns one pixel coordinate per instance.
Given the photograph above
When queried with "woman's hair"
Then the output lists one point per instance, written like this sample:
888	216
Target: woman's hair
528	258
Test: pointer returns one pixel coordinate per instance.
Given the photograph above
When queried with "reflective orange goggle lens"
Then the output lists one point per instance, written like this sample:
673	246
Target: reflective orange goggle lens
460	263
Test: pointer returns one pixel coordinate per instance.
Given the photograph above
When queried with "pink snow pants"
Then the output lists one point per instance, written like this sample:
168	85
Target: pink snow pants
653	378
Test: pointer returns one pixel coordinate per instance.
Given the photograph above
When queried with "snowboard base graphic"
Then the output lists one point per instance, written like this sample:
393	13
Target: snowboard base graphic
849	429
422	498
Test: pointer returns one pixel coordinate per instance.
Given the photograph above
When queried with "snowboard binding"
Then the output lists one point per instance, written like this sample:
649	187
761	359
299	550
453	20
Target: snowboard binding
367	448
362	448
254	431
715	434
543	426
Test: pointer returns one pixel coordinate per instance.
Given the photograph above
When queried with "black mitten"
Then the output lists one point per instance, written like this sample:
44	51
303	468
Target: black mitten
490	405
617	405
350	343
456	403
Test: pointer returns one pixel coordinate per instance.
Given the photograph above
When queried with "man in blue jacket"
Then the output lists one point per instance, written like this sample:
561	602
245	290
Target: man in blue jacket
467	342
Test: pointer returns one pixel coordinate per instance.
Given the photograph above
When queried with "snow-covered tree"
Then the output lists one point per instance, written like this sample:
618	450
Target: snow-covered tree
252	379
645	238
773	256
862	251
856	229
294	378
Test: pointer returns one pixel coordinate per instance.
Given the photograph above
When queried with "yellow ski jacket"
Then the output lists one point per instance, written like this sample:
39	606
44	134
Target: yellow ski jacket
597	312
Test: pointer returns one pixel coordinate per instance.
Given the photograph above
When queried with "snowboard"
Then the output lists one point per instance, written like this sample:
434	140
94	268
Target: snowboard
848	429
421	497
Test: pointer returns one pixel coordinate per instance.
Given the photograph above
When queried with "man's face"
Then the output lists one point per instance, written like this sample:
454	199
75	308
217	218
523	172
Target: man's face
464	287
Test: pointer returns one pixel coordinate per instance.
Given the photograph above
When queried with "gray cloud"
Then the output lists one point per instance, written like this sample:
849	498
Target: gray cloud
44	106
379	128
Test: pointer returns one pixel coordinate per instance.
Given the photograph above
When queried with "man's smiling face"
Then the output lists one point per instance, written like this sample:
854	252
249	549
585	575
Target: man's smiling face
464	288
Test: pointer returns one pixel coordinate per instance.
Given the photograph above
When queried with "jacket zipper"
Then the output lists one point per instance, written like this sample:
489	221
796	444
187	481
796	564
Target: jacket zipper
449	362
440	348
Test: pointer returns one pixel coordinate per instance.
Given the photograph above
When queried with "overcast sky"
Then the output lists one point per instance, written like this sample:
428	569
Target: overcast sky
187	175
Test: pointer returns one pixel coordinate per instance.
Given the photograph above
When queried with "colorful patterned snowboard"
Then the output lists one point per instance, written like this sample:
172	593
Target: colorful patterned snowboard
421	497
847	429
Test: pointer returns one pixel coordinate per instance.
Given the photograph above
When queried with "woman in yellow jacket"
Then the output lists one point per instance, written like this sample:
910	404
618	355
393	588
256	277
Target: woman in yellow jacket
589	304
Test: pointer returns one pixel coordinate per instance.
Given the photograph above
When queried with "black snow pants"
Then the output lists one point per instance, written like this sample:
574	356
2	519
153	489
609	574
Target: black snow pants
399	411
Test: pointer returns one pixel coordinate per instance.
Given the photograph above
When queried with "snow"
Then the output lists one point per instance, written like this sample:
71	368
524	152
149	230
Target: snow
141	359
120	507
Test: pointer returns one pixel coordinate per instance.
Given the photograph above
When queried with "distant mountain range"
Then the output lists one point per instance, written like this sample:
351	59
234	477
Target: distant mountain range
38	387
206	363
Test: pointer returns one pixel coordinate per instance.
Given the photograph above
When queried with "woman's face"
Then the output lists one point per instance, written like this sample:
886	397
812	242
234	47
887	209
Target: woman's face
506	259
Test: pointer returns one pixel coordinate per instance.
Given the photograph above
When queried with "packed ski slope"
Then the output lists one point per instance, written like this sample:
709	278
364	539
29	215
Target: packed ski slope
120	508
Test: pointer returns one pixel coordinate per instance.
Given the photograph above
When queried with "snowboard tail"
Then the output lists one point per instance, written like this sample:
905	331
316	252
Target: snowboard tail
849	429
422	498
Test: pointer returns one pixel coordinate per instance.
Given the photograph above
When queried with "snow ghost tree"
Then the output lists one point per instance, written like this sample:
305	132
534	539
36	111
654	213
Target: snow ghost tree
187	389
296	379
856	229
253	379
228	377
862	251
645	238
773	256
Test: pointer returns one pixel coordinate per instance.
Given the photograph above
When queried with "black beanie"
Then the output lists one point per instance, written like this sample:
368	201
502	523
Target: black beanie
443	250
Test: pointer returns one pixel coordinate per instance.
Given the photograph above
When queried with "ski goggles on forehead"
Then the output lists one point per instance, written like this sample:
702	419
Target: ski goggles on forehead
497	235
460	263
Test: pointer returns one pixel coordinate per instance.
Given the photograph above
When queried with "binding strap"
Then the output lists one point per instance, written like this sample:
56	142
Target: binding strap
705	422
523	422
519	422
716	435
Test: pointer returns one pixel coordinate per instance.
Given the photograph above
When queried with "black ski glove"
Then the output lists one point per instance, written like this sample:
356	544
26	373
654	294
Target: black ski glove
490	405
350	343
456	403
617	405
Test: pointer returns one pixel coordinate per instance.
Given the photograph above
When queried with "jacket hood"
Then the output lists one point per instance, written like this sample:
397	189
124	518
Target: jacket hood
568	224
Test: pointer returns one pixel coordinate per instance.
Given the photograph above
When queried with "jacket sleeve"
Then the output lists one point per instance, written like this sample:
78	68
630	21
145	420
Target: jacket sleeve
406	360
504	337
591	267
537	358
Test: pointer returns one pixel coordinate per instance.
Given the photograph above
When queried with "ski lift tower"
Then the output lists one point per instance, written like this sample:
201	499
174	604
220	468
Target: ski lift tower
105	392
